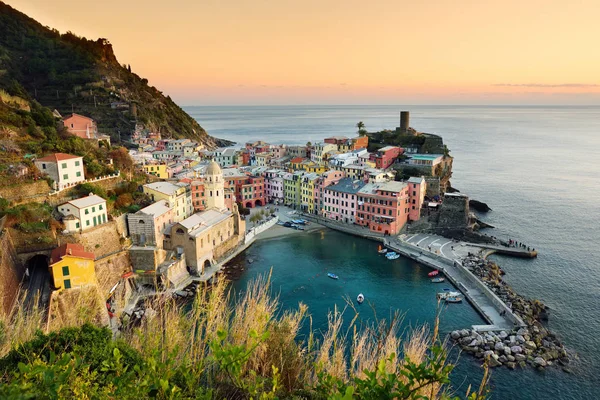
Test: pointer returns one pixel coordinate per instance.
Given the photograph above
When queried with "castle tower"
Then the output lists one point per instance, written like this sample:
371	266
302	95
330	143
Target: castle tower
214	187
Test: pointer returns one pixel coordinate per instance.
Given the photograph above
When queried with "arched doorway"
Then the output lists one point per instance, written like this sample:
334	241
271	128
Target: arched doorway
39	281
258	203
206	265
249	204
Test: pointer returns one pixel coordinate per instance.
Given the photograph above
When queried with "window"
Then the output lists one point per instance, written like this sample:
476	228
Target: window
77	225
77	163
87	211
103	217
93	209
78	173
64	165
67	284
65	176
100	207
43	166
65	270
87	223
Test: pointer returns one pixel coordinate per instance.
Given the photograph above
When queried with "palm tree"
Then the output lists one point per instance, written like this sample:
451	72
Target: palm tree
360	125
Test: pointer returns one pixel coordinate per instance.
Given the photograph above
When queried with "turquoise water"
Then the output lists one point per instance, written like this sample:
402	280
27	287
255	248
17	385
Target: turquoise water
538	169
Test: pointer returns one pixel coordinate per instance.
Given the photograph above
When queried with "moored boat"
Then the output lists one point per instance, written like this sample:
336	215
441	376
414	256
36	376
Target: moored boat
392	256
333	276
438	280
433	273
383	251
453	299
360	298
447	295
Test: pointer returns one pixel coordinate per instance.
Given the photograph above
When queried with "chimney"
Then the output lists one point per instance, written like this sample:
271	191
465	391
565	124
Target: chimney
69	251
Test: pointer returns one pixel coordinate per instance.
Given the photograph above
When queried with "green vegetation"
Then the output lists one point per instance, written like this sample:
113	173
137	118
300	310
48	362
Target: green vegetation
27	218
74	74
223	349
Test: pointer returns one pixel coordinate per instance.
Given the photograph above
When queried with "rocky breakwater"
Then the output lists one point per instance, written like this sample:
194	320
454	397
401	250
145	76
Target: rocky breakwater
532	345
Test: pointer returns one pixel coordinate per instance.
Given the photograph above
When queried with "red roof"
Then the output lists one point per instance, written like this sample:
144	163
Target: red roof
70	249
56	157
297	160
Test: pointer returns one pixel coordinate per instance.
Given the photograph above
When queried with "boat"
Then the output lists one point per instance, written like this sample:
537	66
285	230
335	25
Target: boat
438	280
360	298
446	295
433	273
392	256
333	276
453	299
383	251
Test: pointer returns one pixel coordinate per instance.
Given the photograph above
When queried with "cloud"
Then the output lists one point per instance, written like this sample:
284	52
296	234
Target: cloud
546	85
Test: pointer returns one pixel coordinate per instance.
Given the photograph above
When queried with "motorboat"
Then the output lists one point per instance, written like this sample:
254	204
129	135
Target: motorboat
333	276
447	295
392	256
360	298
438	280
433	273
453	299
383	251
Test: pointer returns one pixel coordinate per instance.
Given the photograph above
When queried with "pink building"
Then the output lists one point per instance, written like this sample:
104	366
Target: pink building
383	207
341	199
416	191
279	151
81	126
274	186
327	178
386	156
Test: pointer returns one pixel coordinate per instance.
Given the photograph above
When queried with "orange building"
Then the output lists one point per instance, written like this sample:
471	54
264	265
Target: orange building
81	126
383	207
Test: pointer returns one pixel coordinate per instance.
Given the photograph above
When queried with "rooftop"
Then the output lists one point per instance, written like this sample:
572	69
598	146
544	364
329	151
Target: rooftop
164	187
427	157
347	185
388	148
391	186
202	221
87	201
56	157
415	179
157	209
70	249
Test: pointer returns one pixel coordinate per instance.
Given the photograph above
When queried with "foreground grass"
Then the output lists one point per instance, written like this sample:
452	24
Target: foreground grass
220	349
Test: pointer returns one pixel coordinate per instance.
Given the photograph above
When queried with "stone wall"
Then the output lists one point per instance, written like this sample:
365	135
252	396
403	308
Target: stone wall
11	271
102	240
454	212
25	192
110	269
433	186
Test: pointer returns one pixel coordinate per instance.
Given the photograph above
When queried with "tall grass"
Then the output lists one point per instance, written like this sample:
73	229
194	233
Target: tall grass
274	358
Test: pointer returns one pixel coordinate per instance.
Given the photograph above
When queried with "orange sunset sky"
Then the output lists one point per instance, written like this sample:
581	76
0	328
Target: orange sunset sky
206	52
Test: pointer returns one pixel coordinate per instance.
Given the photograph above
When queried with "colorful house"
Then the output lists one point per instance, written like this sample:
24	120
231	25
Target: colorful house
159	170
417	188
179	197
81	126
340	200
386	156
65	170
83	213
72	267
308	185
383	207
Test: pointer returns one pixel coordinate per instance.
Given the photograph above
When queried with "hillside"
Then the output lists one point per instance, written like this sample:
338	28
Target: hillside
73	74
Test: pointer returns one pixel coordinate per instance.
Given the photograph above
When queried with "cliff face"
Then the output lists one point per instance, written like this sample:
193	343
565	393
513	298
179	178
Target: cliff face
74	74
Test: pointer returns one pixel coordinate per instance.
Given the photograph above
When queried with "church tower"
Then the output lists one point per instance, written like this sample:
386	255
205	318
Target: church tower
214	187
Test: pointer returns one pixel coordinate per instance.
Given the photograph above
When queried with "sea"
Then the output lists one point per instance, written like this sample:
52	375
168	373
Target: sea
537	167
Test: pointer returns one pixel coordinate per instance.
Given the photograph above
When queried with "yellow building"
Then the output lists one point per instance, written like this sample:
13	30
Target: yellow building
178	195
291	188
72	267
159	170
307	192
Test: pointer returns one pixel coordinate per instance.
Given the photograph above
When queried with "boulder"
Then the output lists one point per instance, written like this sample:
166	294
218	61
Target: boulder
520	339
512	339
464	332
488	353
502	359
522	332
511	365
520	357
503	335
516	349
507	350
530	345
539	362
455	335
474	343
478	206
494	363
499	346
511	358
466	340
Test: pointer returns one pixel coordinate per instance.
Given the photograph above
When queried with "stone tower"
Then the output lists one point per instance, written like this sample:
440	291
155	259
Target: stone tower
214	187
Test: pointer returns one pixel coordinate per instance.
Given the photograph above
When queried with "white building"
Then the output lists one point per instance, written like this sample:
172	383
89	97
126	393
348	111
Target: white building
179	197
84	213
65	170
225	157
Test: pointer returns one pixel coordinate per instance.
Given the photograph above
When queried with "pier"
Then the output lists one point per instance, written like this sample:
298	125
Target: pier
444	254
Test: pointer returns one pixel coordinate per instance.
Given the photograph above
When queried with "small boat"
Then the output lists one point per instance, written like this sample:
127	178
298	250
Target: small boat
383	251
447	295
438	280
453	299
333	276
433	273
360	298
392	256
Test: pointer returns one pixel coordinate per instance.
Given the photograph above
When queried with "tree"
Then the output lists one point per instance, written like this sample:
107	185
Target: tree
124	200
360	125
308	144
121	159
